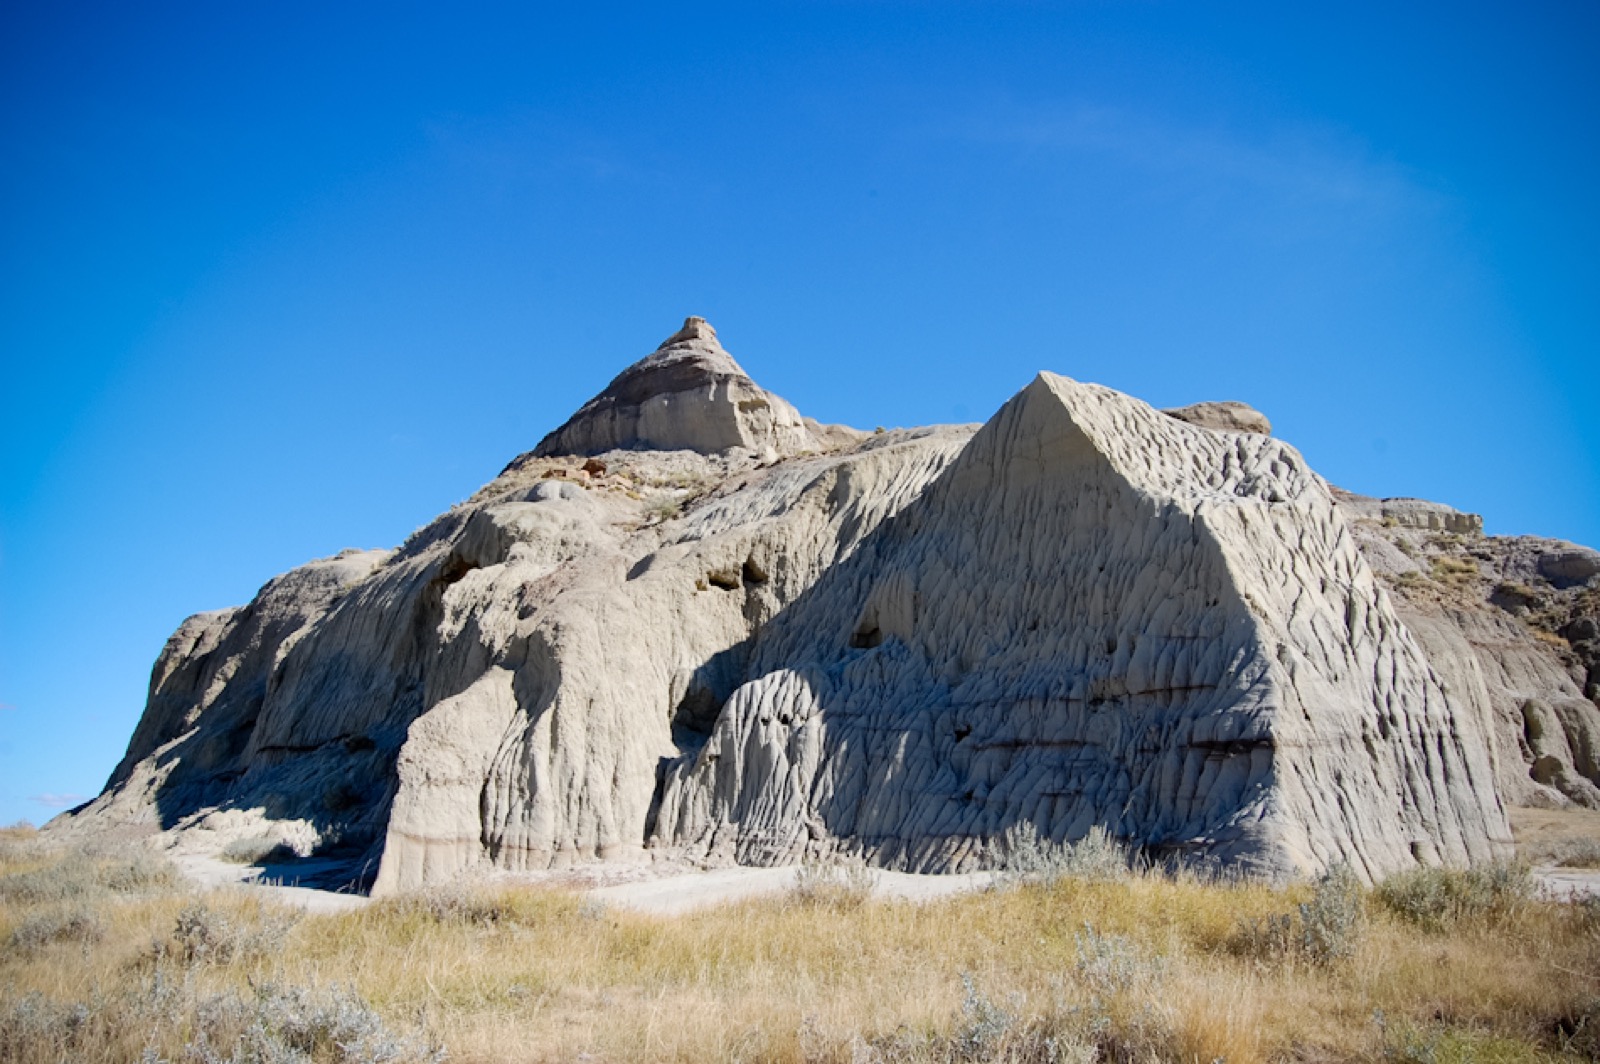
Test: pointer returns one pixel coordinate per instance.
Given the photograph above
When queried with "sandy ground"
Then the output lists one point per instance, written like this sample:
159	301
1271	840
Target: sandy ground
1547	837
666	887
212	874
664	891
687	891
1569	883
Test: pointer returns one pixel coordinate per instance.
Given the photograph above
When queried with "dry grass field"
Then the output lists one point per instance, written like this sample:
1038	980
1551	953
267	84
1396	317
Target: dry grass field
104	957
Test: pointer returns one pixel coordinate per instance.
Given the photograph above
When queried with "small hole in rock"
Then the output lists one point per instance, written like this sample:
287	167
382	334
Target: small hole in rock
866	638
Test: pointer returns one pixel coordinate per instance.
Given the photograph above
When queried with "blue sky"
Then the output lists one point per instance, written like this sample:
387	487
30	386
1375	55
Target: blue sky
276	282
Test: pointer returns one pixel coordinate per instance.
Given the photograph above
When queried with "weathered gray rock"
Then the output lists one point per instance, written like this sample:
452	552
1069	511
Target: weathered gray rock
689	395
1419	513
1227	416
1570	566
670	625
1506	640
1409	513
1096	616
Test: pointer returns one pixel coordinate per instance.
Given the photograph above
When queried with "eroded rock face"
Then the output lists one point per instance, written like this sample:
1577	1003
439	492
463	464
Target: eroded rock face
695	621
1097	616
1509	628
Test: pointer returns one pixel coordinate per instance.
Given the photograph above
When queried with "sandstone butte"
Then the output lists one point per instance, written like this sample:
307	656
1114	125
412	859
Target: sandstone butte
692	622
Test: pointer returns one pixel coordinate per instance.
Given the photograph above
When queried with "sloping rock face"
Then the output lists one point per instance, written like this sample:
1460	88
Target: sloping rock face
1098	616
689	395
692	622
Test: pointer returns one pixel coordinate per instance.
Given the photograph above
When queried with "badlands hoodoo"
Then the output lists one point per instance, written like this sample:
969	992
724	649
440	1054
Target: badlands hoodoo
692	621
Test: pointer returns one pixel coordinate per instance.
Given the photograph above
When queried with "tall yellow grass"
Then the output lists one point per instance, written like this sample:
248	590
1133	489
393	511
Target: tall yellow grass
1145	968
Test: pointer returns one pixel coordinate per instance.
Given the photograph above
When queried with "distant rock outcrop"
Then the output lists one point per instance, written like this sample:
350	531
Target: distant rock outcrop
1412	513
694	622
1224	417
1509	624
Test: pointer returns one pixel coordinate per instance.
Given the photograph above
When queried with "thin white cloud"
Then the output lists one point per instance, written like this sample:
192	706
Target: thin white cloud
1305	168
59	801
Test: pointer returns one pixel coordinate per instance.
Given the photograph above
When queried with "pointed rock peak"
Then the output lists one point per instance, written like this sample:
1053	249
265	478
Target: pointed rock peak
693	329
687	395
1058	422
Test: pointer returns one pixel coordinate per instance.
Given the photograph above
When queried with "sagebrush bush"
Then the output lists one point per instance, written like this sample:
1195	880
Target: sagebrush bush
1109	964
205	935
1096	856
74	922
273	1024
299	1025
1438	898
87	872
1330	922
1320	932
455	904
842	884
1577	853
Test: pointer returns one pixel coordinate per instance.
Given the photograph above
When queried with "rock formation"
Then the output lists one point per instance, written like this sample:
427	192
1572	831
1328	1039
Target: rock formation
690	395
1162	630
692	622
1226	417
1508	623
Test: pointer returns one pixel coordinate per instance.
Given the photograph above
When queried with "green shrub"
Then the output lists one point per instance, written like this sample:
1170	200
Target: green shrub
1436	898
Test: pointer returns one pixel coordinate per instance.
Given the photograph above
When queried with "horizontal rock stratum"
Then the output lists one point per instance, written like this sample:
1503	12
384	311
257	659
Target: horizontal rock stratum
693	622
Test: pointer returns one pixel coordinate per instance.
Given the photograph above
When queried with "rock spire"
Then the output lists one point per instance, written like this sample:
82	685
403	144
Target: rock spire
689	395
